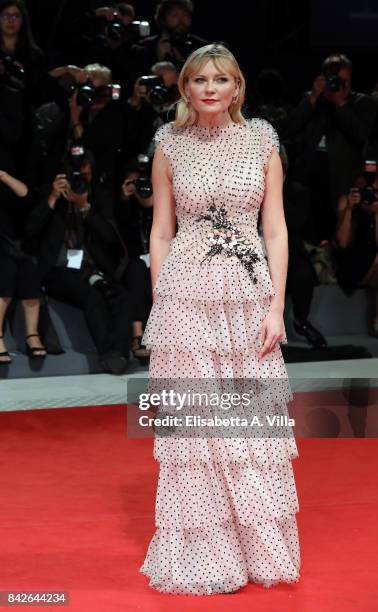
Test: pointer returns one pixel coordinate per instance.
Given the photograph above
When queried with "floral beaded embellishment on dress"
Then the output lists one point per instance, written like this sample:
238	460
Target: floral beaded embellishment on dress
226	238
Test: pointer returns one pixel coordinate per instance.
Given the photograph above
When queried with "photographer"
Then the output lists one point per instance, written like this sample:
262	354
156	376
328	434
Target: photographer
106	36
21	60
97	120
75	236
330	130
22	67
174	43
133	214
153	96
357	235
93	114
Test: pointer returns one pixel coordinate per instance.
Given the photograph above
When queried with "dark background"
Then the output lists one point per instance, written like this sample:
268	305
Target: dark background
292	36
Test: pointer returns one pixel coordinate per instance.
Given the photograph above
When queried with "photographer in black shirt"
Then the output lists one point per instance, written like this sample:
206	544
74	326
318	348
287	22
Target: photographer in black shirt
357	235
134	212
329	129
89	112
22	67
73	231
174	42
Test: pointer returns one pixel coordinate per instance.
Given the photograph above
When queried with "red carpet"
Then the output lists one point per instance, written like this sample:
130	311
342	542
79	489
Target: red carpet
77	504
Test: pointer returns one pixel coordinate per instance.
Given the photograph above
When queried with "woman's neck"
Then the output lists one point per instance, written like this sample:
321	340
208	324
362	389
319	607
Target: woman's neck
222	120
9	43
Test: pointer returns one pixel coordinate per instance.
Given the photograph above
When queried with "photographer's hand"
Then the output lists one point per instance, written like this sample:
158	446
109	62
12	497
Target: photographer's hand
318	88
354	197
60	187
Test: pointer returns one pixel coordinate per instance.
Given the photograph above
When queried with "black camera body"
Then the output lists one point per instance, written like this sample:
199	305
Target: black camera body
369	193
181	42
158	92
87	94
104	285
143	186
335	83
116	31
79	183
14	75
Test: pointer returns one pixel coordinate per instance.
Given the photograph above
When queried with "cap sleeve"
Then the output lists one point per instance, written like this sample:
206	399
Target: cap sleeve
268	139
162	136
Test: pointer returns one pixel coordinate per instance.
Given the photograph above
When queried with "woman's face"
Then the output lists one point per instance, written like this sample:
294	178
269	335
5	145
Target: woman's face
10	21
211	84
128	185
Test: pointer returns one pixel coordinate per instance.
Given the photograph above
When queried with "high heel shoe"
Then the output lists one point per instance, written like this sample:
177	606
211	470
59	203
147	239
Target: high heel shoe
5	354
33	351
144	359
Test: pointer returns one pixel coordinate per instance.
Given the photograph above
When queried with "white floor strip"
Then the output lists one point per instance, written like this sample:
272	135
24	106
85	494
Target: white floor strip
105	389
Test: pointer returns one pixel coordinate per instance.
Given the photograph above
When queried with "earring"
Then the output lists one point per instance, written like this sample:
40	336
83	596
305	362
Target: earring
187	100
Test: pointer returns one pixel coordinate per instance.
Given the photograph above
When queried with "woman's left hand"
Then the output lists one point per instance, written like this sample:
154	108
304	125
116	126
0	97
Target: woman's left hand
272	331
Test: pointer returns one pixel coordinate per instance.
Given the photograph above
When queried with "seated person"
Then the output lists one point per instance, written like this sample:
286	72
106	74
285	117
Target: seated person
133	214
19	276
74	234
357	236
301	275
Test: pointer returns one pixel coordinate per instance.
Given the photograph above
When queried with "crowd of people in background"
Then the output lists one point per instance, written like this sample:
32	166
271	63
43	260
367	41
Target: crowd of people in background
76	149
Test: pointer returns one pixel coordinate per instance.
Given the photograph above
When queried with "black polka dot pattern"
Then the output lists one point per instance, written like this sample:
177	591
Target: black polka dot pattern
225	508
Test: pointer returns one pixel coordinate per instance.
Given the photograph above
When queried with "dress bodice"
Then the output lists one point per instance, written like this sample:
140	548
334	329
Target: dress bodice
220	165
218	182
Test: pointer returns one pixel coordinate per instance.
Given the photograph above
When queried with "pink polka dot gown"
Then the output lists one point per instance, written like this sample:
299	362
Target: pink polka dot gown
225	507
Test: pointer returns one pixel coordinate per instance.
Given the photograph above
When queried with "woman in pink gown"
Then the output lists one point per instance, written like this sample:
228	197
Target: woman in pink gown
225	507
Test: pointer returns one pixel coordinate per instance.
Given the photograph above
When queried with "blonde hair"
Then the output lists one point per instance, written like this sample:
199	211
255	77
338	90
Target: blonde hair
224	60
100	72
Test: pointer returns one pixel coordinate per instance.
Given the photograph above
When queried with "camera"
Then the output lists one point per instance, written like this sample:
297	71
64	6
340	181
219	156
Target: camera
79	183
182	43
102	284
369	193
143	186
14	75
98	29
143	183
159	94
87	94
335	83
117	31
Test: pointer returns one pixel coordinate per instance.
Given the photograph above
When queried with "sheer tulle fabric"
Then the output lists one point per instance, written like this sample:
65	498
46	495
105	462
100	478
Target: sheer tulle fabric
225	507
